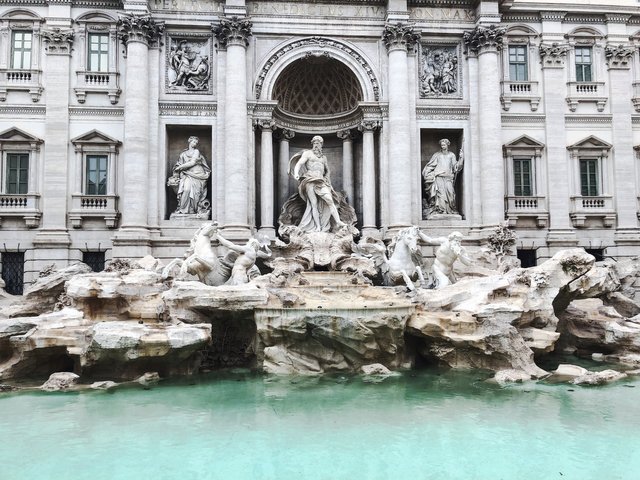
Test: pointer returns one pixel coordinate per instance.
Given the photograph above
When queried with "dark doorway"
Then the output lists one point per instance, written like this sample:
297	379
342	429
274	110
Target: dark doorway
13	272
596	252
95	260
527	257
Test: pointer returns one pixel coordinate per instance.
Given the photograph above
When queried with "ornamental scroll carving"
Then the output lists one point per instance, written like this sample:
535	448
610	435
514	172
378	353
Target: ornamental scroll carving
188	65
553	55
481	38
618	56
58	41
233	31
400	35
138	28
439	71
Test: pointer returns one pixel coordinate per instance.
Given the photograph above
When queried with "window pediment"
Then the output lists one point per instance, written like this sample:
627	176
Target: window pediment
524	141
95	138
15	135
591	143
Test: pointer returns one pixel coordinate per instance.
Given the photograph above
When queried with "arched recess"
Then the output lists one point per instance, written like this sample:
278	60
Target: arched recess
285	54
20	14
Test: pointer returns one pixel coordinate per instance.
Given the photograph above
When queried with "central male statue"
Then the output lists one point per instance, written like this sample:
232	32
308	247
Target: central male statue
312	171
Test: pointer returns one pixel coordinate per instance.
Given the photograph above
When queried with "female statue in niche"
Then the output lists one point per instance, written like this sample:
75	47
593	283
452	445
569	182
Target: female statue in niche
189	180
439	177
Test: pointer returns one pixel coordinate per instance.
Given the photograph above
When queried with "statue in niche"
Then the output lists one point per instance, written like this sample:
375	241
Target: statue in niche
188	66
450	249
439	74
439	177
189	181
317	207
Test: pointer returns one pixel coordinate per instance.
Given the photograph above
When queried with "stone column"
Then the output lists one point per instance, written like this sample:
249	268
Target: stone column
136	32
53	240
369	199
283	165
619	59
347	164
266	178
233	34
485	42
398	38
561	234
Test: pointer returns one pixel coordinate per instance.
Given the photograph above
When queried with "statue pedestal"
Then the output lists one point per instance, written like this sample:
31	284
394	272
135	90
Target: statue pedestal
445	216
321	242
189	218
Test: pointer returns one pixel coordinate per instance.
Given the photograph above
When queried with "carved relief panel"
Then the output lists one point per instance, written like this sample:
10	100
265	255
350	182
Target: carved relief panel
439	71
188	63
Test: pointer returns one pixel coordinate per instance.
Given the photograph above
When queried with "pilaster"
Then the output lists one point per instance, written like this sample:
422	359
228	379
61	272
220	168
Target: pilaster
347	163
266	177
369	198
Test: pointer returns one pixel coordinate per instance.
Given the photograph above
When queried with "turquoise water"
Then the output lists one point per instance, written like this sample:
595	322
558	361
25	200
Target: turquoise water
418	426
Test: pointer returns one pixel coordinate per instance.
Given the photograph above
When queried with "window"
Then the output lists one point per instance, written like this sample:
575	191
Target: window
522	181
518	69
17	173
598	253
527	257
584	61
589	184
95	260
96	175
21	43
13	272
98	54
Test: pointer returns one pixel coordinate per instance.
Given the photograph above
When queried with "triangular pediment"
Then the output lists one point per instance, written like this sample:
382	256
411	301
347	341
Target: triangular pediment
94	137
591	142
16	135
524	141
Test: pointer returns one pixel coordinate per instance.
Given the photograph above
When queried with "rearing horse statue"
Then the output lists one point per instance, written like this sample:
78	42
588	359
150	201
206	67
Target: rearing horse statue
403	262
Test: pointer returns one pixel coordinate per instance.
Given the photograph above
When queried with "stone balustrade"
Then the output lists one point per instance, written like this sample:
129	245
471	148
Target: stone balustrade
600	206
520	207
94	206
23	206
98	82
21	80
520	91
586	92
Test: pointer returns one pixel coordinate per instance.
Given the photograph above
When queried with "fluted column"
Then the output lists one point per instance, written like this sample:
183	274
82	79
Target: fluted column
136	32
398	38
619	59
266	177
58	41
233	34
369	199
485	42
347	163
283	165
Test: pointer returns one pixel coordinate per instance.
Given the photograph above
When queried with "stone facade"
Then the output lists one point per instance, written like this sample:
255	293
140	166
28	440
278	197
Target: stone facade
99	98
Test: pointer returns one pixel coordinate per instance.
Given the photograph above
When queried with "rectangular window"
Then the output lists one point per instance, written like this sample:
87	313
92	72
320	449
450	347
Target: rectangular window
21	43
584	61
17	173
98	60
589	185
527	257
96	175
522	172
518	71
95	260
13	272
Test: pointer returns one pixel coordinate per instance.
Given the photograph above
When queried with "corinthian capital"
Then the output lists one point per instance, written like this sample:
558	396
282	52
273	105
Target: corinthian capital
139	28
233	31
618	56
399	36
58	41
553	55
483	38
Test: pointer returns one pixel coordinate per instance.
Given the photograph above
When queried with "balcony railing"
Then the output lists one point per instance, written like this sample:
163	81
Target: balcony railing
21	80
636	96
24	206
97	82
520	91
94	206
527	207
601	206
586	92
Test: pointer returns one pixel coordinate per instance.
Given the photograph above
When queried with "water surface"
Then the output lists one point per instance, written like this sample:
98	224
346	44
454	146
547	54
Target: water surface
421	425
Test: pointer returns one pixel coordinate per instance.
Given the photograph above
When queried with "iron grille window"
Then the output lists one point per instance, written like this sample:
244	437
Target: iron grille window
522	172
96	175
13	272
584	61
17	173
598	253
527	257
589	185
21	43
518	70
98	53
95	260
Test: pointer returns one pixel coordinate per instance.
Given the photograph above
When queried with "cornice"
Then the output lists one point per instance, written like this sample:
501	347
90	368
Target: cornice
187	109
22	110
96	111
424	112
510	119
588	119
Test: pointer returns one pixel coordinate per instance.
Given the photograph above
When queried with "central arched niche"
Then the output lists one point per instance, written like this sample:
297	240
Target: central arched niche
317	85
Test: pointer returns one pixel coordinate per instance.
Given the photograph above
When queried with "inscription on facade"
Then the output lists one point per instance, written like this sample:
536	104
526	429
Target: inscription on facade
313	9
442	14
205	6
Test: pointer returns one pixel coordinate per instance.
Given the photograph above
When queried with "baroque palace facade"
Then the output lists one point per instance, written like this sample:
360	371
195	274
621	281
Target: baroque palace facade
100	99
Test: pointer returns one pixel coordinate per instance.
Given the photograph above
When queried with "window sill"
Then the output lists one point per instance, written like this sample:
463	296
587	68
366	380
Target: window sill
24	206
21	80
94	206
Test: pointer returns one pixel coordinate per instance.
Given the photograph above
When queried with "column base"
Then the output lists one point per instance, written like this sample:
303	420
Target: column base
267	233
131	242
372	232
236	231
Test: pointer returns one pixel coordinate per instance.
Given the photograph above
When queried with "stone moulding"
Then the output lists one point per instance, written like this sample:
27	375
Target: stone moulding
188	109
324	44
